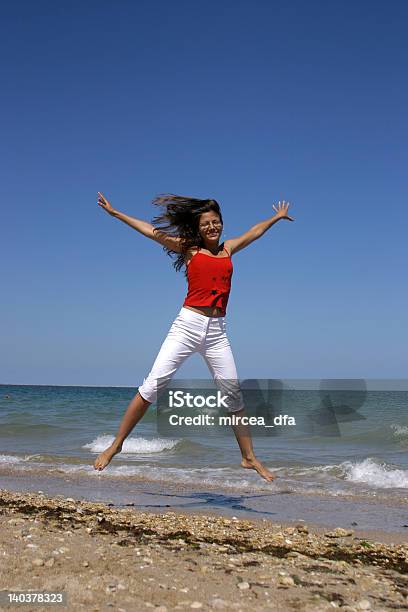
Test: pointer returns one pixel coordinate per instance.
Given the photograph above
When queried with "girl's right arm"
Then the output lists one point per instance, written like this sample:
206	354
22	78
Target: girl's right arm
143	227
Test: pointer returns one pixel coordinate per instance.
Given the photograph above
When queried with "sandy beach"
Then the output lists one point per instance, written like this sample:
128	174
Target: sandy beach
106	558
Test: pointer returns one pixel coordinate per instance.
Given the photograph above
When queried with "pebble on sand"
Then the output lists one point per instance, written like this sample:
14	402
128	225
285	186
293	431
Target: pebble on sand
38	562
339	532
243	585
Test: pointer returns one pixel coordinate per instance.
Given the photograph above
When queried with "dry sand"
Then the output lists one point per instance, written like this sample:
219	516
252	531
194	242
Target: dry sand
105	559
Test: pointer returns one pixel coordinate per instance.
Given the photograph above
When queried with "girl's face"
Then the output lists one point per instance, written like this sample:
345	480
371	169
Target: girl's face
210	227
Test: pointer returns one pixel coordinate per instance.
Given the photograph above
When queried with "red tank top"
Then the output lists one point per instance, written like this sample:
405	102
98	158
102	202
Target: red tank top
209	281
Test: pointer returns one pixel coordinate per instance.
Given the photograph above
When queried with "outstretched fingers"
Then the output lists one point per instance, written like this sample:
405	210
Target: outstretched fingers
103	202
282	206
282	210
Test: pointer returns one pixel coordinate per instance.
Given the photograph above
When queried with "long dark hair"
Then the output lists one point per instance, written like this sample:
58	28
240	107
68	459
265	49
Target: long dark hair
180	217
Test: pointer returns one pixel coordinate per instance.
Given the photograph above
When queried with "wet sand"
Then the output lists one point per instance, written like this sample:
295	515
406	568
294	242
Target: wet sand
280	505
106	558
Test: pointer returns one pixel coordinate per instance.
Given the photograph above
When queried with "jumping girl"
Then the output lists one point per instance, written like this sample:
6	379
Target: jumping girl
190	229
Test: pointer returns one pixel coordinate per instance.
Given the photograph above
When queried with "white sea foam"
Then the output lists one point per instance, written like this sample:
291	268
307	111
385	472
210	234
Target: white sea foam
348	478
132	445
375	475
5	459
223	477
214	477
400	431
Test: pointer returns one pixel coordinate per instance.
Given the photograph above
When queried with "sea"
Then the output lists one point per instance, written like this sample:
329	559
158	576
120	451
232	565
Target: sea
339	465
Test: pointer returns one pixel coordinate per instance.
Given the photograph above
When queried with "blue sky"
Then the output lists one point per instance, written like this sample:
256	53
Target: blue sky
245	102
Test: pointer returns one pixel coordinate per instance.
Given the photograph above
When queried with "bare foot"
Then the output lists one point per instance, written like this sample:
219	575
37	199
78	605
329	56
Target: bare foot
254	464
105	458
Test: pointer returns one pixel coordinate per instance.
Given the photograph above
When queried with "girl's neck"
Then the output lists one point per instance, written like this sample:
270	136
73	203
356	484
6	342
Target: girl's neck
214	249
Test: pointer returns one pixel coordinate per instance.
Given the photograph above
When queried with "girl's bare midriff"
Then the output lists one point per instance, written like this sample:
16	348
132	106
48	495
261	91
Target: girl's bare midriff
208	311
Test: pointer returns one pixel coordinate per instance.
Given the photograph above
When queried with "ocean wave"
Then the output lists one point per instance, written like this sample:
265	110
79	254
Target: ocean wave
232	478
400	431
367	471
223	477
7	459
375	475
367	477
138	446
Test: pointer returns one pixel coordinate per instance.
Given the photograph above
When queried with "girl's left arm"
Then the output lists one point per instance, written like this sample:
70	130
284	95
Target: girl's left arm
236	244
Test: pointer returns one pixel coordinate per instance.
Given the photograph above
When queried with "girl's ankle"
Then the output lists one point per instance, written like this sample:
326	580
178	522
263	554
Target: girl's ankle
249	457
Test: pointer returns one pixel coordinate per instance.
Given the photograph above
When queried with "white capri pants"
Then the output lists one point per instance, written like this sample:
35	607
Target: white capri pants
193	332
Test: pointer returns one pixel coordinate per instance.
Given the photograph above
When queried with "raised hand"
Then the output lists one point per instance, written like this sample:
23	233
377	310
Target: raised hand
282	210
103	203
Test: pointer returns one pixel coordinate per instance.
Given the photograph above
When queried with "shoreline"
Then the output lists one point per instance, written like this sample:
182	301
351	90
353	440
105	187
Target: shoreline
100	555
383	519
